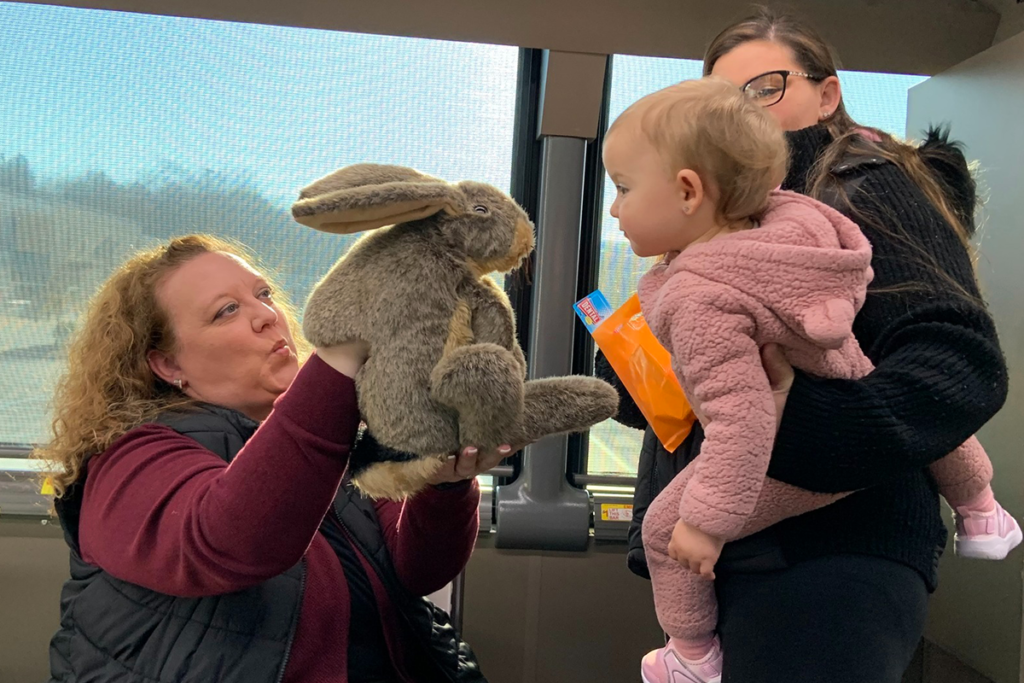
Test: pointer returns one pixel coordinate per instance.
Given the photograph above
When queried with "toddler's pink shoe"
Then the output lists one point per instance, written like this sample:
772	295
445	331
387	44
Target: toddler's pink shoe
985	535
668	666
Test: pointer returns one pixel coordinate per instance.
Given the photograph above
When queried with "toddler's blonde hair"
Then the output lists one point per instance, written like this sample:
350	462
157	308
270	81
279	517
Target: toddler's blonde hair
708	125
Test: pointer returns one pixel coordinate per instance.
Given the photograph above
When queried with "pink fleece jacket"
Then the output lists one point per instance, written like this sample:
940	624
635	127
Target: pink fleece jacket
797	280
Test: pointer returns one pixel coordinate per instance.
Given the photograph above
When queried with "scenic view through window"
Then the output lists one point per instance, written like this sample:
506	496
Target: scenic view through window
121	130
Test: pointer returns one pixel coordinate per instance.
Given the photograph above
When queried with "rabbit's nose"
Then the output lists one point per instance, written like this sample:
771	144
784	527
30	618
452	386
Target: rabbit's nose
523	242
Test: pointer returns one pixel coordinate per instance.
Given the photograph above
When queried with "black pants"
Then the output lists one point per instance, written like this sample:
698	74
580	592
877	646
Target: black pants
839	619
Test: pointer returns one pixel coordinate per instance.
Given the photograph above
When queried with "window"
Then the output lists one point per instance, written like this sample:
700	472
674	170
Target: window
614	449
874	99
121	130
878	100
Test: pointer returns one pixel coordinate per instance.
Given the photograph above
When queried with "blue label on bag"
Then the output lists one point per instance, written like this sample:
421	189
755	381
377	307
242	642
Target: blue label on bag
593	309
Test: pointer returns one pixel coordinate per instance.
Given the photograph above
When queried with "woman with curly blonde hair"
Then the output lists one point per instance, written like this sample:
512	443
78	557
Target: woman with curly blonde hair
109	387
199	473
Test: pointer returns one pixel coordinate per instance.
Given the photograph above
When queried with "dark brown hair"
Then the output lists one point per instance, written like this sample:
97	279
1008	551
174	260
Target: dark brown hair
816	57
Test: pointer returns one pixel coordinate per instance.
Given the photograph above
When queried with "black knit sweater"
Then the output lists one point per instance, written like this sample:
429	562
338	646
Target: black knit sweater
939	376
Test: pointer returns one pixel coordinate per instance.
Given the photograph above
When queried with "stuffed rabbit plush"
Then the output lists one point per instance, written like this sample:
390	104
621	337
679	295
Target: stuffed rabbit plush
445	370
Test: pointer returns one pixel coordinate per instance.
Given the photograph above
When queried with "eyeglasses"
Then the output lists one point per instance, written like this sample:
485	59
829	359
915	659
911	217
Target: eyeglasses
768	89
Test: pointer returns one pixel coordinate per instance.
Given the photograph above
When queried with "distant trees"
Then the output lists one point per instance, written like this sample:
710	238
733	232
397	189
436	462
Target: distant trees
58	241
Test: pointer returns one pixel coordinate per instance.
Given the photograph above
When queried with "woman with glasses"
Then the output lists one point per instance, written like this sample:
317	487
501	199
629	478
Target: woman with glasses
840	594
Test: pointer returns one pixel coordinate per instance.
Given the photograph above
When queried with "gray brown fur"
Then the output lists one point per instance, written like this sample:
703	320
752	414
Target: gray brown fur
445	370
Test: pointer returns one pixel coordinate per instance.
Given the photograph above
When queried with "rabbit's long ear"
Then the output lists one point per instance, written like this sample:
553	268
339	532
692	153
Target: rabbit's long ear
367	196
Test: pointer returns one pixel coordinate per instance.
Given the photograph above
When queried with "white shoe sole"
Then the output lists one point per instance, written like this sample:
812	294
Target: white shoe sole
644	678
990	548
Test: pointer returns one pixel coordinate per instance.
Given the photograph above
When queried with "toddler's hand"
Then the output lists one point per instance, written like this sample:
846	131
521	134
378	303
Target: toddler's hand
694	549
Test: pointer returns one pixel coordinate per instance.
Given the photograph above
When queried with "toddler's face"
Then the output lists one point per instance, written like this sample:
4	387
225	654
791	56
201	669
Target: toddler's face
655	210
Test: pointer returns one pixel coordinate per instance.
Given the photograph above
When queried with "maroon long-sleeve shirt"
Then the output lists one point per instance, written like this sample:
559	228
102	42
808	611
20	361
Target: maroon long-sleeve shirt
162	512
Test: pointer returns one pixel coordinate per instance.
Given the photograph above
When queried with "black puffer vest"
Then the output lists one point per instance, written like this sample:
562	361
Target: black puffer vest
115	631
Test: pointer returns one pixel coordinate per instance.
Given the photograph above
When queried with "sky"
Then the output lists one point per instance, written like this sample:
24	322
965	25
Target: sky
143	98
150	98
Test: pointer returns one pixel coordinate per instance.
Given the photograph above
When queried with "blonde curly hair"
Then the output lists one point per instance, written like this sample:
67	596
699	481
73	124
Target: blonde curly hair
108	387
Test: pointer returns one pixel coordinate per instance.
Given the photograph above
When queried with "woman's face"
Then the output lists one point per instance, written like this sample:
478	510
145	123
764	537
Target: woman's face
233	347
805	103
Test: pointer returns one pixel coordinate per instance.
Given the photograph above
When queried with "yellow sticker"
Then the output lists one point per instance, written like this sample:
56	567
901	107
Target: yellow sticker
47	489
616	512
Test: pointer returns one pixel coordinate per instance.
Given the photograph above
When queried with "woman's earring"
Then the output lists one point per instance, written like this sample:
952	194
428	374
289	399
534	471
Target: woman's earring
179	384
825	115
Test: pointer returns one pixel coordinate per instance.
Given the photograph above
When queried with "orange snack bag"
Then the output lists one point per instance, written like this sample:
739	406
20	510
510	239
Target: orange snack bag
642	363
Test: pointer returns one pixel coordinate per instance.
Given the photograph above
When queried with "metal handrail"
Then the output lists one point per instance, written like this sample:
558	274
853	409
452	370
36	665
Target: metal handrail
578	479
603	480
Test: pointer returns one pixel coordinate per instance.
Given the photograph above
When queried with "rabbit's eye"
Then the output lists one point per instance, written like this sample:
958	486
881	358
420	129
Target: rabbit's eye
480	208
